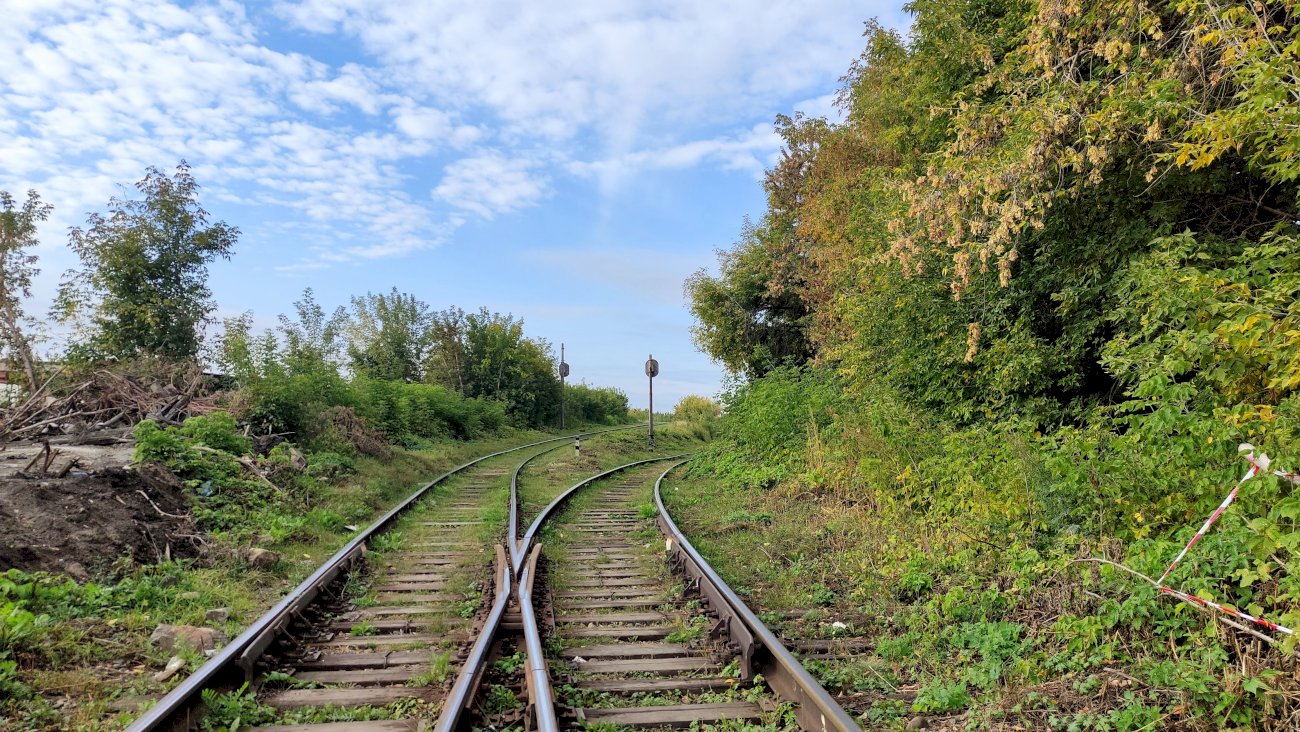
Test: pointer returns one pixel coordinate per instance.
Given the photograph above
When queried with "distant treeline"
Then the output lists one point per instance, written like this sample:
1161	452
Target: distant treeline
141	295
410	371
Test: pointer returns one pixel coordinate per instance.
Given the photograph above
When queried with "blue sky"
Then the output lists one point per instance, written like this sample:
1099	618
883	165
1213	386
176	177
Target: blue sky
571	163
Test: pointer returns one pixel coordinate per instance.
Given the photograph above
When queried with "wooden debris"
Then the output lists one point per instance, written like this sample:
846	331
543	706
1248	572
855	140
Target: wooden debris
105	401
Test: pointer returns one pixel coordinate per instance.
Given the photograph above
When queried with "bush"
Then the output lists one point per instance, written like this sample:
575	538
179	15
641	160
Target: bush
695	408
585	404
404	411
218	431
172	448
764	439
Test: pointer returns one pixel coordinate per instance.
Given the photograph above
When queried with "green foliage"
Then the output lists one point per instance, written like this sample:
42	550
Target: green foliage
388	541
18	234
363	628
584	404
942	696
498	699
510	664
741	321
765	436
297	390
10	686
18	628
1040	283
233	711
696	408
390	336
329	465
413	411
143	276
217	431
182	452
501	364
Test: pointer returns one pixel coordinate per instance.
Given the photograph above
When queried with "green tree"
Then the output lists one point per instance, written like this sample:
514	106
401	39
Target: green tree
447	360
748	319
503	364
389	336
17	268
312	343
144	271
595	404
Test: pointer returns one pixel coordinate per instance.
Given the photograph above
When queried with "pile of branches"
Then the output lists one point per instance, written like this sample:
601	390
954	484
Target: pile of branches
349	426
104	401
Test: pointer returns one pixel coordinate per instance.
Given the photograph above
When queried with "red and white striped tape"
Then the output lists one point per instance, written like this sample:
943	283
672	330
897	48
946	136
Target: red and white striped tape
1258	464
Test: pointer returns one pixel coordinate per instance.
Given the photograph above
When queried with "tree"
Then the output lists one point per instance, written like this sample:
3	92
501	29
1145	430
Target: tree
502	364
143	275
17	268
446	364
389	336
746	320
313	341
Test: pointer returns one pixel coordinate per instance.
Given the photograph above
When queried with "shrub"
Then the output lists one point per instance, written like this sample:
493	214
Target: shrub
218	431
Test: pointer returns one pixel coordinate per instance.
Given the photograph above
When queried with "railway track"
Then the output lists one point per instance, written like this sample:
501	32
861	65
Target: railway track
636	650
600	613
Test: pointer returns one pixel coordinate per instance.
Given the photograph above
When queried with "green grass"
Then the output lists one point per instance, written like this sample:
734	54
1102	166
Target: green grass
91	627
983	634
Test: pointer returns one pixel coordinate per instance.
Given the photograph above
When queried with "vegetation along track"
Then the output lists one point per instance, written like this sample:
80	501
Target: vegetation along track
374	633
639	631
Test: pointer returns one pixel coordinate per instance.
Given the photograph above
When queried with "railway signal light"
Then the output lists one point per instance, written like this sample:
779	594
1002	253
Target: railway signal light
652	370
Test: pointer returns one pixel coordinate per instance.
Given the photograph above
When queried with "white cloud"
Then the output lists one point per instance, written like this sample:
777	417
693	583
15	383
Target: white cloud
752	152
622	70
346	137
95	93
491	184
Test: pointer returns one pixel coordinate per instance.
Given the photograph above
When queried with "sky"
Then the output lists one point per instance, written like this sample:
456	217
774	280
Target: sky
569	163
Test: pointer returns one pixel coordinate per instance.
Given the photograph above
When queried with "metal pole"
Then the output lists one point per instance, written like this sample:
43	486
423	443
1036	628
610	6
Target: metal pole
652	407
561	386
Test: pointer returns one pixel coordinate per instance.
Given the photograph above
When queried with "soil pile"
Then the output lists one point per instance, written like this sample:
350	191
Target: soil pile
82	522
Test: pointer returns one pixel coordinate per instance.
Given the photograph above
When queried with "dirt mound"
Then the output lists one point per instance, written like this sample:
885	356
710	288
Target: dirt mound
79	523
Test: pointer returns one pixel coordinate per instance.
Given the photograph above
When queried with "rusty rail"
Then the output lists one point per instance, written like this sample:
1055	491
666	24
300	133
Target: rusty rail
471	672
538	675
525	543
761	651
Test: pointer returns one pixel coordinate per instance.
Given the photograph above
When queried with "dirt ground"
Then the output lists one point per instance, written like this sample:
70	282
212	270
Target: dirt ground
97	512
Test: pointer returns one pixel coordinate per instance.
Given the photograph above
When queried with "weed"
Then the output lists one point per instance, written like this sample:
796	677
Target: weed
510	664
387	542
468	607
824	596
233	710
363	628
687	632
499	699
941	696
439	670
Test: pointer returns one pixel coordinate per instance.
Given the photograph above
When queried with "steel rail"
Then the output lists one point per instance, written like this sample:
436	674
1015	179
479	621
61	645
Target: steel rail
815	708
538	673
526	542
513	540
512	524
237	658
471	672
